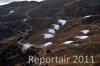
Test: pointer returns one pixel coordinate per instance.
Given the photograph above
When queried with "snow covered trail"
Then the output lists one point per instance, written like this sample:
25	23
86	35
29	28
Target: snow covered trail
52	31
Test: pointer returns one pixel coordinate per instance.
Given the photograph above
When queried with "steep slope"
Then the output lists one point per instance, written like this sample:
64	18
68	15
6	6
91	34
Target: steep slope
67	8
48	29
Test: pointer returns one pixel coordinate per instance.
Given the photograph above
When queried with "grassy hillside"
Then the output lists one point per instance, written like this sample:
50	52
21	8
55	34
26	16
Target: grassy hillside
78	32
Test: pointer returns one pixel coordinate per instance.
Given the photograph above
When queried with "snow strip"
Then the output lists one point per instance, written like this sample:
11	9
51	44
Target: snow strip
24	20
85	31
81	37
76	45
68	42
63	22
56	27
87	16
52	31
11	11
26	46
47	44
48	35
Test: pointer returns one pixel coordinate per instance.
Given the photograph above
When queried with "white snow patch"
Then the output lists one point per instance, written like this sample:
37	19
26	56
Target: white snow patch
11	11
57	27
87	16
24	20
26	46
63	22
68	42
51	31
47	44
81	37
48	36
85	31
76	45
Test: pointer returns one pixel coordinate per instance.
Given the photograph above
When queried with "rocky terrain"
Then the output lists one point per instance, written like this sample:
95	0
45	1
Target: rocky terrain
48	29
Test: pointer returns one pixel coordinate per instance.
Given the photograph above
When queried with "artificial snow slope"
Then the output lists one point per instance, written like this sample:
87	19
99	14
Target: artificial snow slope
49	28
